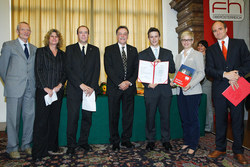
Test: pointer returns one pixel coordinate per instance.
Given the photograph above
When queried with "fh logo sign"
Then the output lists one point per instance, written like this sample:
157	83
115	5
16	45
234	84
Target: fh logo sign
229	10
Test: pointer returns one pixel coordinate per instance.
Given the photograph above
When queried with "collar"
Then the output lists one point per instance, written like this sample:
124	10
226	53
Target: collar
226	42
85	46
22	43
120	46
153	48
188	52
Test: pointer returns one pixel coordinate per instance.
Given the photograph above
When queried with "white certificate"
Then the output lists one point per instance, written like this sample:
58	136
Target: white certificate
49	100
152	72
88	102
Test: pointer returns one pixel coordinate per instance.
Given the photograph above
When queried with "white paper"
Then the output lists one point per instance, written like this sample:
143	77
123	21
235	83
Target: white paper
88	102
150	72
49	100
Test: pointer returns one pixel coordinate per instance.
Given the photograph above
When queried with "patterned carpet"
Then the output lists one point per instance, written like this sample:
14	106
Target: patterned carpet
102	155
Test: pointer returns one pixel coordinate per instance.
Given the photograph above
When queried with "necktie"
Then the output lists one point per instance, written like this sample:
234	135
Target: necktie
83	52
156	53
224	50
124	61
26	51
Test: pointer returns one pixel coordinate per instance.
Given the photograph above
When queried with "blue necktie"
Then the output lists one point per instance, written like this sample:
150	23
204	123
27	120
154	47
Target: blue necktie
26	51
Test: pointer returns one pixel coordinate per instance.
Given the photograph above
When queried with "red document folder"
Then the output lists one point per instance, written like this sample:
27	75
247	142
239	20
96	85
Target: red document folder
237	95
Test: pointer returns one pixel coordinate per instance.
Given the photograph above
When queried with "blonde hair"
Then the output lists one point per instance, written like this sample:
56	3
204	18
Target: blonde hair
187	33
47	36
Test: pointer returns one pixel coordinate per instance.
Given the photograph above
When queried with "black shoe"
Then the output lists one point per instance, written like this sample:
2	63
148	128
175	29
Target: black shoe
34	159
182	150
167	146
150	146
86	147
70	151
128	144
116	147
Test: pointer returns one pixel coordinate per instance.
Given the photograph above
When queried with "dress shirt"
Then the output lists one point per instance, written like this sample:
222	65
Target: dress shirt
85	47
226	40
158	51
22	44
183	59
125	49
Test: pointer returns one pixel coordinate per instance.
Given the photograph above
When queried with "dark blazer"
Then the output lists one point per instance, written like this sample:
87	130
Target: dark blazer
238	58
49	69
114	68
82	70
164	55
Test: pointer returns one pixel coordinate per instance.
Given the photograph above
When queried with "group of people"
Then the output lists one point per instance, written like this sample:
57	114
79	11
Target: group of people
29	74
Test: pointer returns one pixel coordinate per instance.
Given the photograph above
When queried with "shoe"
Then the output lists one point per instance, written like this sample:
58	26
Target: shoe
36	159
192	154
58	151
241	159
28	151
167	146
128	144
86	147
150	146
216	154
183	149
14	155
70	151
116	146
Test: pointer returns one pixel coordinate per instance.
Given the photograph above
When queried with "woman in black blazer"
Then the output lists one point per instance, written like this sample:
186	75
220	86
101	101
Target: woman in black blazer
50	78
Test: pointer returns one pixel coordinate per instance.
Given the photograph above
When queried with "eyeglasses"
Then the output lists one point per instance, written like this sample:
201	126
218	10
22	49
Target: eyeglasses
186	40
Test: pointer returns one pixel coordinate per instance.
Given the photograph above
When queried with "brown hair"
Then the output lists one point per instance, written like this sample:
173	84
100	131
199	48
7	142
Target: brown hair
47	36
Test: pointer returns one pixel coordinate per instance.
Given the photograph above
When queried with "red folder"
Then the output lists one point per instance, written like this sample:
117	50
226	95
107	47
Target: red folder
237	95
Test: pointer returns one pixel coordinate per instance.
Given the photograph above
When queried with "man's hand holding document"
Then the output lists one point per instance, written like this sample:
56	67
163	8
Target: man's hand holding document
153	72
88	102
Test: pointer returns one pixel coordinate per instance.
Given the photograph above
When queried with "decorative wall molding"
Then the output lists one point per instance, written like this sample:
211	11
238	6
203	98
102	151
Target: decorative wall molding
189	17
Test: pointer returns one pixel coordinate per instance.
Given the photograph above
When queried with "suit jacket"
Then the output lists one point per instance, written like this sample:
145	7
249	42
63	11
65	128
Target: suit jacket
164	55
16	70
115	71
82	70
49	70
238	58
194	60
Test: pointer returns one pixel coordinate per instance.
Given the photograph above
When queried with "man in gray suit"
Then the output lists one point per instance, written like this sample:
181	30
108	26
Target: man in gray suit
17	72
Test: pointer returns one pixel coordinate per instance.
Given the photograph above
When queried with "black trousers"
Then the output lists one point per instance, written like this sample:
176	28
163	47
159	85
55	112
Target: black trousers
221	105
74	101
127	117
163	103
188	106
46	125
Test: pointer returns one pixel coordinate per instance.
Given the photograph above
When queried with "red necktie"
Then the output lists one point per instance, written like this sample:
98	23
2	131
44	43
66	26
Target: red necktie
224	50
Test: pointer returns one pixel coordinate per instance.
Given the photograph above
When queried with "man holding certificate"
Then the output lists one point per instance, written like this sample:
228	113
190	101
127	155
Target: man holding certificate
226	61
157	94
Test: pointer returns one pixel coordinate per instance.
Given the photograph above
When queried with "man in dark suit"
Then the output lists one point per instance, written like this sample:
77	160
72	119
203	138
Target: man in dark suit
157	95
83	70
225	69
121	66
17	62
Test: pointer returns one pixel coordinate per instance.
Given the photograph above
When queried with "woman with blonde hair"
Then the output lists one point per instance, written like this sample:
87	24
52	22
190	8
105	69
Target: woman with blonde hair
50	79
189	97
